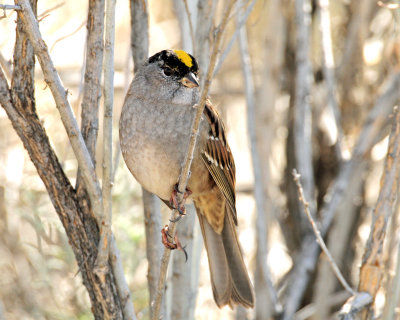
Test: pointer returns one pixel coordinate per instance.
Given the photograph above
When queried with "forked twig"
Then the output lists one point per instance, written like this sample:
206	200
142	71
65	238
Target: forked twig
189	157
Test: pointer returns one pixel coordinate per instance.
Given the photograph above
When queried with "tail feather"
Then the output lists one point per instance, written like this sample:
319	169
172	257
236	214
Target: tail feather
230	281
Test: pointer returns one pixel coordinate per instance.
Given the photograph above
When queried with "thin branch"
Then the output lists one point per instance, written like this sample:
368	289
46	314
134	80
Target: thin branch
240	24
262	232
67	35
371	269
332	300
10	7
302	105
321	242
376	120
108	65
189	18
124	293
60	96
189	157
47	11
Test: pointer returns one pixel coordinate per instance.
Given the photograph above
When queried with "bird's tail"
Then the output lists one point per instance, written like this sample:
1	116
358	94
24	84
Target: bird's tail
230	280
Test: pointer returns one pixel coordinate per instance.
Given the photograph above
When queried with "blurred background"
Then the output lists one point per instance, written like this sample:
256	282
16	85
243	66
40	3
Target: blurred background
346	76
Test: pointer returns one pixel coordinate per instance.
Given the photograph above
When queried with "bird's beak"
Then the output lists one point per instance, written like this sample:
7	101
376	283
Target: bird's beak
190	80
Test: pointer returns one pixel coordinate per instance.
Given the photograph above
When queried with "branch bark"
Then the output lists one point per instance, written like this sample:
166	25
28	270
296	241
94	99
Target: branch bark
20	108
52	79
372	262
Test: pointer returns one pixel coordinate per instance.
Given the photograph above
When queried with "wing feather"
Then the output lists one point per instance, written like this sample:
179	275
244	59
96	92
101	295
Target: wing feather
217	157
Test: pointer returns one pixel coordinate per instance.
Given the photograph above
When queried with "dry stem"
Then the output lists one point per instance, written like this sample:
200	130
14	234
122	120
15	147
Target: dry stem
321	242
108	64
371	268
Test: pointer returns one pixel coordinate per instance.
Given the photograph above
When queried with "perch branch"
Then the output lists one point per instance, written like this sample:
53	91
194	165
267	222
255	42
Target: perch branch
189	157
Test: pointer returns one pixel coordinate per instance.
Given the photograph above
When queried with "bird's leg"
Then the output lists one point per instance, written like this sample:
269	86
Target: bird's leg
170	244
174	202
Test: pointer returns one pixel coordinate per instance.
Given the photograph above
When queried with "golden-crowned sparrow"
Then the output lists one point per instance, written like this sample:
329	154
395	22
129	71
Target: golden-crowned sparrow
155	128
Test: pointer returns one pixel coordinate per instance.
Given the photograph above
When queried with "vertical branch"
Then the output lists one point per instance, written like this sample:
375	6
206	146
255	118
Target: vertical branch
262	232
92	86
328	69
189	156
302	107
393	294
266	125
139	31
371	268
108	65
151	204
205	15
152	220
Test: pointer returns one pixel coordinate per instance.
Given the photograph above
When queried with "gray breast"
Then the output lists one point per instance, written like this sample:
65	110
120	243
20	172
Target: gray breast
154	139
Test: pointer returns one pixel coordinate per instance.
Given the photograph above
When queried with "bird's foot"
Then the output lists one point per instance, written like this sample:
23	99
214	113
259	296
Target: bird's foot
174	202
169	244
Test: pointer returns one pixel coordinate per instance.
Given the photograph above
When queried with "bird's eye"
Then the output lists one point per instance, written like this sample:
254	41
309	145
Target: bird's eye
168	72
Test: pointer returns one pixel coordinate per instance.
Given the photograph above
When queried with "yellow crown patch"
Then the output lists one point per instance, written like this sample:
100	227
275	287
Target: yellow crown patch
184	57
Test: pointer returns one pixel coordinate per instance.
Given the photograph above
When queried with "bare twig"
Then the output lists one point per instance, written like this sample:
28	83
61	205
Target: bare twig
376	120
262	232
10	7
122	286
67	35
228	48
189	157
152	221
309	310
189	18
321	242
371	268
60	96
108	65
47	11
354	305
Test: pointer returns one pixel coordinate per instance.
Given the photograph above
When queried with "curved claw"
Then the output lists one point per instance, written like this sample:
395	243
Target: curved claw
174	202
171	245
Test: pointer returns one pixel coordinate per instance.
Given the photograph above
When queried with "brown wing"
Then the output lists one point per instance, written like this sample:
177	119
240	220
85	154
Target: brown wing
218	158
